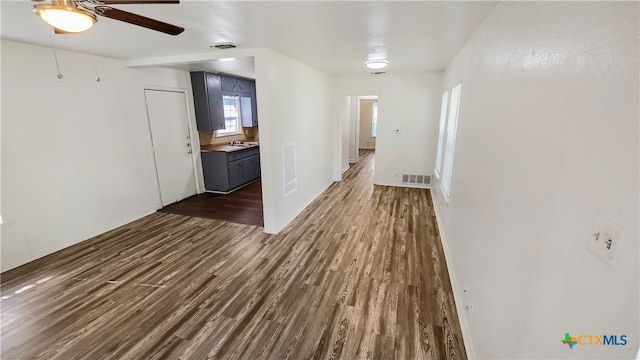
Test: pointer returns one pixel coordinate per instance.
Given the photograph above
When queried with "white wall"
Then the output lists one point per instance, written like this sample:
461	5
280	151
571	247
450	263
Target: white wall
76	154
411	103
547	140
295	105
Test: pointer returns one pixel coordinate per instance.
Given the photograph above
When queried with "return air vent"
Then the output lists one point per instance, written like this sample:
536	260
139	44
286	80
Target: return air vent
378	72
416	179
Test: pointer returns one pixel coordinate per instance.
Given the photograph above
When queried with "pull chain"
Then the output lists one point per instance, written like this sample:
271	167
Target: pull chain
55	55
93	54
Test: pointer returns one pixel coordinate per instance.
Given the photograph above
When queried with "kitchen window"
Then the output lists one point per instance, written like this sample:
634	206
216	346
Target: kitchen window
232	126
374	120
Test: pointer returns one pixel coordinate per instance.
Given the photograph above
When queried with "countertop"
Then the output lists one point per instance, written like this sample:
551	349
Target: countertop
228	148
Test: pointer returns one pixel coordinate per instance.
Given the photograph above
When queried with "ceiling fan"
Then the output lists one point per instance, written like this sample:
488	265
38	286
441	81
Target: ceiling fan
74	16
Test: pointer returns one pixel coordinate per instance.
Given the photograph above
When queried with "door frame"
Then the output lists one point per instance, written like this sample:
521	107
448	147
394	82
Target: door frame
194	138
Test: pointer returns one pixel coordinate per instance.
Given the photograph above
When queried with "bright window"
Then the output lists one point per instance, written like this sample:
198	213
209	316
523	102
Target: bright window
452	128
374	120
231	116
443	122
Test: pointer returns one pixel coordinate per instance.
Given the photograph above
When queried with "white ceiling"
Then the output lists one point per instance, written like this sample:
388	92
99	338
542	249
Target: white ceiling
336	37
244	66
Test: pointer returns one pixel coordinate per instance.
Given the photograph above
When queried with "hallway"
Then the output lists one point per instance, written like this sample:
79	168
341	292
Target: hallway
360	273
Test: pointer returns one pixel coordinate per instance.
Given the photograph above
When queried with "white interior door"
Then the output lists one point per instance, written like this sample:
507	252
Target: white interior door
169	124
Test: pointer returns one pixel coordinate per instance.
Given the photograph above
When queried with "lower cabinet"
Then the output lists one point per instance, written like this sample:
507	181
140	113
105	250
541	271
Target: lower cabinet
251	167
226	171
256	166
236	177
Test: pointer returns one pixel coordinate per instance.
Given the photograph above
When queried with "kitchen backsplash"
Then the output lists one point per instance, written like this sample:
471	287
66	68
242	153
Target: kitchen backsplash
209	137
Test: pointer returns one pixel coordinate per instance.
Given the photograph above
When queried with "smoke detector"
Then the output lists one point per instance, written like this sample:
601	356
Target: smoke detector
223	46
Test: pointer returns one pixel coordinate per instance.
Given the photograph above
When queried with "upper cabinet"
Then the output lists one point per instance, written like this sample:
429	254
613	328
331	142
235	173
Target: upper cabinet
237	85
207	99
254	104
246	111
208	90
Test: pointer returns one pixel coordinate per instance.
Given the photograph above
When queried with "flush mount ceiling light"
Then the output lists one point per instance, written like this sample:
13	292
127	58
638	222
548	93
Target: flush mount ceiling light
67	18
377	64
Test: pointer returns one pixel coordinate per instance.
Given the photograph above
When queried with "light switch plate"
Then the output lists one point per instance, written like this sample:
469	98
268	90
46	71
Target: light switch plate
605	241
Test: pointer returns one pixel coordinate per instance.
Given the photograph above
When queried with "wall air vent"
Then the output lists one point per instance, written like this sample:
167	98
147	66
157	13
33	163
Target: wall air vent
413	179
378	72
223	46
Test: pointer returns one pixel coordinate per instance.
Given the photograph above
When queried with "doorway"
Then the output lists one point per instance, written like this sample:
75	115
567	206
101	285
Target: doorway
358	127
368	122
171	143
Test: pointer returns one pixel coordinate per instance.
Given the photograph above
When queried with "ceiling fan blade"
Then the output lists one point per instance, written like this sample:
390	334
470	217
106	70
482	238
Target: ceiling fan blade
139	20
126	2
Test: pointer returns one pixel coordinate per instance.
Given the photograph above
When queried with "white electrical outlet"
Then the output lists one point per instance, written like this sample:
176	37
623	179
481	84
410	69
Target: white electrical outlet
604	241
468	304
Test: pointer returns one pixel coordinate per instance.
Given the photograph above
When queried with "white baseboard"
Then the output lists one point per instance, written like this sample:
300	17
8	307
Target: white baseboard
412	186
457	293
345	169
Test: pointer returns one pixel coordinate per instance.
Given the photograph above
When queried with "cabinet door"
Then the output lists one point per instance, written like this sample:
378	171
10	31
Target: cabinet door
256	166
214	96
246	111
214	168
229	83
248	168
244	86
201	101
254	105
236	174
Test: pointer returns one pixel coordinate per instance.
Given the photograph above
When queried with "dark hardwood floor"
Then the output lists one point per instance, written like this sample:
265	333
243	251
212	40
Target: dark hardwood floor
359	274
242	206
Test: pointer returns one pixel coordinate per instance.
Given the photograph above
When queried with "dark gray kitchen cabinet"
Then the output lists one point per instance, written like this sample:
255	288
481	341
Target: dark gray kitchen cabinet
245	89
226	171
256	166
254	105
207	99
238	85
229	83
246	111
214	168
236	174
249	169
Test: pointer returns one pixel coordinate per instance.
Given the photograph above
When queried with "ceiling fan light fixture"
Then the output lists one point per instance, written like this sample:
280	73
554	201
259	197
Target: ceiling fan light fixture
66	18
377	64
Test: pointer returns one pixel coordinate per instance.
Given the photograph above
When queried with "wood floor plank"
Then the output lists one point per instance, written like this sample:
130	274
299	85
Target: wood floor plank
243	206
359	274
